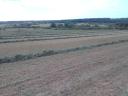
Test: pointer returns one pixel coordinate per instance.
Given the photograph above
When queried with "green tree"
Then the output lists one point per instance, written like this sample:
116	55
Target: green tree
53	25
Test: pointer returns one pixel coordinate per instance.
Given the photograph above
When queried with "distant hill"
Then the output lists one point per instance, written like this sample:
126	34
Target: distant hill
86	20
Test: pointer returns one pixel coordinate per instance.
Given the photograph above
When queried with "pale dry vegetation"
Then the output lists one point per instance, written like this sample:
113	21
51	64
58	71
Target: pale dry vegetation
48	62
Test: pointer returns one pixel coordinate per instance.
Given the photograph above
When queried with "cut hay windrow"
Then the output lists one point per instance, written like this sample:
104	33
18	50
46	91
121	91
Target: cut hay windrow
21	57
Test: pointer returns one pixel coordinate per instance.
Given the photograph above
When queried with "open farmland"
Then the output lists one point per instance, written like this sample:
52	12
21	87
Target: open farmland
98	67
51	39
31	34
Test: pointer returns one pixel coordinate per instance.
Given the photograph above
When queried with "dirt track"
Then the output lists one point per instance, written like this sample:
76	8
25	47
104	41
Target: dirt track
94	72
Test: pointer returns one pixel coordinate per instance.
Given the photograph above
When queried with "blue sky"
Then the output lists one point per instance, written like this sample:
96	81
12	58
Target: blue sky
61	9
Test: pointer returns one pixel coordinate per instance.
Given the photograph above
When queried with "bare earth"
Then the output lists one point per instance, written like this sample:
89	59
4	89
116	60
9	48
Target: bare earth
101	71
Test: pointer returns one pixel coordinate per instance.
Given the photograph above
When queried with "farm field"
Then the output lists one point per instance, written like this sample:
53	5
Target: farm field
32	34
82	38
98	71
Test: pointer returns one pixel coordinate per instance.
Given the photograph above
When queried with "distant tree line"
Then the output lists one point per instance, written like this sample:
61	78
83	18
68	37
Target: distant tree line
121	26
89	23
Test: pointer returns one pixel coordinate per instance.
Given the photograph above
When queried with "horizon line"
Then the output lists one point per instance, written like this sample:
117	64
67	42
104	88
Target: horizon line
64	19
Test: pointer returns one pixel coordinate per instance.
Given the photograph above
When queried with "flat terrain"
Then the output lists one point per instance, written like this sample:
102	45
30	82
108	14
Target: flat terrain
100	71
96	72
17	34
28	47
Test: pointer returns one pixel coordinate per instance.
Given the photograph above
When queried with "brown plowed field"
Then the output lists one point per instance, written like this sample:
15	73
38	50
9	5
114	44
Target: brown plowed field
101	71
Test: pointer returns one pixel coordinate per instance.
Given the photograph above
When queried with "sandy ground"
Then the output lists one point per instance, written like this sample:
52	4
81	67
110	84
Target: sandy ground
101	71
12	49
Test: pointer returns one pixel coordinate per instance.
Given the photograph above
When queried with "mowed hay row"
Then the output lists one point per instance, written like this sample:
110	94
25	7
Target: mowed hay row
10	35
102	70
21	57
32	47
